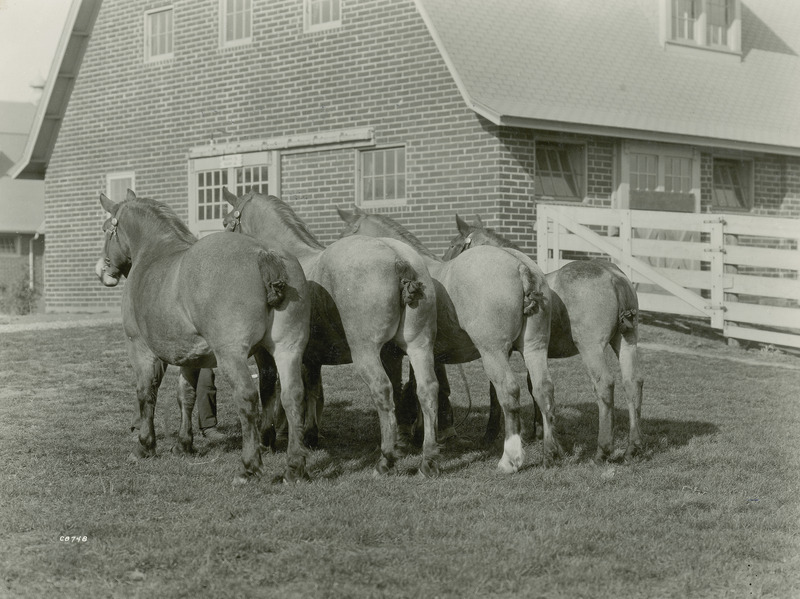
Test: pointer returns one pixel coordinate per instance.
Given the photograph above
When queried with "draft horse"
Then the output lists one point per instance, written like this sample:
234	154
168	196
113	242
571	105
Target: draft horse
365	294
489	304
203	304
595	306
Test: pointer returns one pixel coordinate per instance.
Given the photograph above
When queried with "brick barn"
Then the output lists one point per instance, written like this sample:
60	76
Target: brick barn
420	109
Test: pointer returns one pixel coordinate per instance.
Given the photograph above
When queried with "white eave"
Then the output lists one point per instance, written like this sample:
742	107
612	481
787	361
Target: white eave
58	88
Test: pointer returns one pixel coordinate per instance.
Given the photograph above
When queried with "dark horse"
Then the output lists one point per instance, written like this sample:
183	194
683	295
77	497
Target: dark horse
488	306
204	304
594	306
365	294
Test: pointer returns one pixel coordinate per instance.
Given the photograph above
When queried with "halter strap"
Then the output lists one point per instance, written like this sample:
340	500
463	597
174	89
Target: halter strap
236	219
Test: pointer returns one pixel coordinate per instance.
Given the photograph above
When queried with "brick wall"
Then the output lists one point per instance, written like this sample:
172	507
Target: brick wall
380	69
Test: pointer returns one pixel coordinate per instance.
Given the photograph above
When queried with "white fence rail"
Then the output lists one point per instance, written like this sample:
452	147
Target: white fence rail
739	271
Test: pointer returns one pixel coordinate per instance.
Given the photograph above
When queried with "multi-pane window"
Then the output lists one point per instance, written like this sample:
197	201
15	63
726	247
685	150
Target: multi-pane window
321	14
8	245
660	177
240	173
559	171
731	185
643	172
382	176
158	38
677	174
236	22
709	23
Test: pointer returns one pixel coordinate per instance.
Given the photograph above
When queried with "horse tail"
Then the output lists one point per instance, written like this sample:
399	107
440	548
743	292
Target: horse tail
533	299
274	274
628	303
411	288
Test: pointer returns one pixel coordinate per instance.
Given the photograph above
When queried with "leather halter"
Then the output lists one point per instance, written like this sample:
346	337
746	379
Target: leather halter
236	217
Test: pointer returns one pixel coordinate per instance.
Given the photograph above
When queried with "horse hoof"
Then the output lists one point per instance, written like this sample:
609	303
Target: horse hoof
383	468
506	466
631	454
241	479
181	450
600	457
429	469
292	477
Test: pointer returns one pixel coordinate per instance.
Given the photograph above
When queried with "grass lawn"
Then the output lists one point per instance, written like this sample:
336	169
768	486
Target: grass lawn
712	509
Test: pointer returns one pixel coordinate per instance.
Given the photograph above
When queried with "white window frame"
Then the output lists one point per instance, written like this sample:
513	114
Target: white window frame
384	203
661	151
148	57
308	27
130	176
734	31
223	15
229	163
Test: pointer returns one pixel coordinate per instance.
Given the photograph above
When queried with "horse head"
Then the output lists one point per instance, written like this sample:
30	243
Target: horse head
352	218
115	261
466	238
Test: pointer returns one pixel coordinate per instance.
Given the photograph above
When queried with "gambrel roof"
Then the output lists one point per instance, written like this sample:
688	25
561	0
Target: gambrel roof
602	67
585	66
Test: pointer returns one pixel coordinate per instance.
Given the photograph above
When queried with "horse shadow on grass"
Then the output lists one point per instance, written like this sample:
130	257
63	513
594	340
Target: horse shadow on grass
350	439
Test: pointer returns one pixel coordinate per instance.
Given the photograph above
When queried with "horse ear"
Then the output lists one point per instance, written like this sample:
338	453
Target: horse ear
108	205
476	221
462	226
229	197
130	196
347	216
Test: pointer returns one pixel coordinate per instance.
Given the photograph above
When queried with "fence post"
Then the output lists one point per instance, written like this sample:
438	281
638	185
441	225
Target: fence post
626	240
542	241
717	251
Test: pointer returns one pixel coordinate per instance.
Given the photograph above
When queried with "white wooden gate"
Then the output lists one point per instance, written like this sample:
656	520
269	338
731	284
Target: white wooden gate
745	277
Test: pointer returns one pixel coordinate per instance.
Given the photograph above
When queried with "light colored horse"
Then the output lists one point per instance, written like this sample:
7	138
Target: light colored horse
204	304
489	305
365	293
595	306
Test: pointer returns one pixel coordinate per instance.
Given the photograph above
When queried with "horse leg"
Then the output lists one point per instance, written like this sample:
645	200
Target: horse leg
446	423
369	367
624	345
315	400
187	394
603	383
420	355
234	366
497	368
149	372
268	392
542	391
405	399
289	364
537	412
495	414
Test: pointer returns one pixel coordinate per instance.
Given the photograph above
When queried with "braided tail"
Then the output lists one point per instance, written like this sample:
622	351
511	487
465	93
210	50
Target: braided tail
274	275
411	289
532	298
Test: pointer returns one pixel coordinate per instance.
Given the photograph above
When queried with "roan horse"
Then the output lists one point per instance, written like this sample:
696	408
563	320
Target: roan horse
488	305
205	303
365	294
595	305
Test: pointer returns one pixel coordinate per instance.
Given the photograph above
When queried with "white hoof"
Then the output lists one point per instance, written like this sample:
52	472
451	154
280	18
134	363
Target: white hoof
513	455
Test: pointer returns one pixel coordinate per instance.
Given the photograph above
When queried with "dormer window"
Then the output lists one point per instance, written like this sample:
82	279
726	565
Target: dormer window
712	24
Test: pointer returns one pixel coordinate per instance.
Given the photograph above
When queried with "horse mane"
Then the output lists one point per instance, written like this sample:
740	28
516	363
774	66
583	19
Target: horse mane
404	234
161	214
497	239
289	218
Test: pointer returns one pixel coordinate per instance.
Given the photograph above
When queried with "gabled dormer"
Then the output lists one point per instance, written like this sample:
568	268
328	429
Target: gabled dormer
702	25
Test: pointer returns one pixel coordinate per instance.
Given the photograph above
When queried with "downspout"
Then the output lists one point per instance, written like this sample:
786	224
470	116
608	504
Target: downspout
30	260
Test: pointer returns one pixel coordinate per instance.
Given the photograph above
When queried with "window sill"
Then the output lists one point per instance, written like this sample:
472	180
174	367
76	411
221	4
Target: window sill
167	58
714	52
374	204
